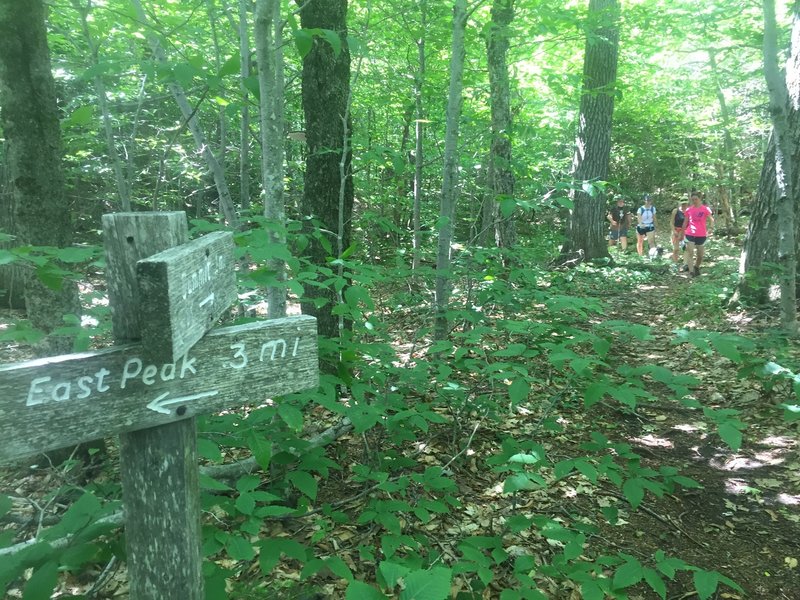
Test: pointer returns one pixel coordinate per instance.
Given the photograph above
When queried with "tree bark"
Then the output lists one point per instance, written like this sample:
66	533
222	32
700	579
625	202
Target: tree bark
325	92
586	227
39	212
419	81
501	177
447	207
270	84
784	153
244	133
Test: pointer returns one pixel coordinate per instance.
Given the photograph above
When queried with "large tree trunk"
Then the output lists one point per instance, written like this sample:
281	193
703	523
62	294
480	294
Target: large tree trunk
325	92
447	207
587	227
30	124
501	177
244	132
784	154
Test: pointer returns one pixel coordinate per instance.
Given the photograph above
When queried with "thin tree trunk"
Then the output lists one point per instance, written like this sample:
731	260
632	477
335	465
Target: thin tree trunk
784	152
419	82
447	207
501	177
123	185
244	133
270	83
726	218
586	228
225	200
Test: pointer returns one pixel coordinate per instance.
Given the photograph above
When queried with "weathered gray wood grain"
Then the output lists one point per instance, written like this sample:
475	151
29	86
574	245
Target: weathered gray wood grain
129	237
53	402
182	293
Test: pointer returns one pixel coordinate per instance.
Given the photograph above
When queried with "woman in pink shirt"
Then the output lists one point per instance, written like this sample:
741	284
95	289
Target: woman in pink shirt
694	228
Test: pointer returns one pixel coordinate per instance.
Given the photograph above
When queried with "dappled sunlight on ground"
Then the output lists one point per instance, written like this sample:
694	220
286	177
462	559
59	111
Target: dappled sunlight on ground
652	441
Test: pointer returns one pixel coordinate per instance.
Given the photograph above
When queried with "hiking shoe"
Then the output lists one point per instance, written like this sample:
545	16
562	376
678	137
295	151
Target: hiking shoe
683	269
696	271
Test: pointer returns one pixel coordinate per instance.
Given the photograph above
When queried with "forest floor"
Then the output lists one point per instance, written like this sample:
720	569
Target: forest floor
743	522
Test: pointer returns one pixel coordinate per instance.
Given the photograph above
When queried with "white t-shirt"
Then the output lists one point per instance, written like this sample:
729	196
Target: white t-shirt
647	215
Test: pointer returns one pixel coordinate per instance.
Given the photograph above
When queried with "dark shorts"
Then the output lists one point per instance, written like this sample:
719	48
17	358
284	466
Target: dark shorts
615	234
645	229
697	240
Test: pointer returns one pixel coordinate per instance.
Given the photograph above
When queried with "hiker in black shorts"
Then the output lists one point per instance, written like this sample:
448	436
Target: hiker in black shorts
620	218
677	218
647	225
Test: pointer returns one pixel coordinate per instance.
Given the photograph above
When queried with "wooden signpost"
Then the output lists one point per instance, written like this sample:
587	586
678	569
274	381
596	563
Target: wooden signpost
149	392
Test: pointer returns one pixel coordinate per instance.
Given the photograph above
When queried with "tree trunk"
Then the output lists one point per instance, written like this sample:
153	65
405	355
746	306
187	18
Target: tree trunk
30	124
270	84
325	92
123	186
447	207
587	226
419	81
501	177
225	201
784	153
244	133
726	217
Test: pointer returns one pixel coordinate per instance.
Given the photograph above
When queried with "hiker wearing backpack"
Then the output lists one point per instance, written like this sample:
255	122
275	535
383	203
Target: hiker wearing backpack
677	218
647	225
620	218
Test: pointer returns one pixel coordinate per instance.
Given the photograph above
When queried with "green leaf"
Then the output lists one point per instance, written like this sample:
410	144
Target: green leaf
633	491
7	257
291	415
239	548
304	482
231	67
358	590
657	584
433	584
304	42
261	449
705	582
209	483
333	39
42	583
392	572
75	255
208	450
591	591
730	435
338	567
630	573
79	116
518	390
245	504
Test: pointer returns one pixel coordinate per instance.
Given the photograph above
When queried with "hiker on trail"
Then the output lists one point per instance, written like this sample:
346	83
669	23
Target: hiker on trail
677	218
694	227
620	218
647	225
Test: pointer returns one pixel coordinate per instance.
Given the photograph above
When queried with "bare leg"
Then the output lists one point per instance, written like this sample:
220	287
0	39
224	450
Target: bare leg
639	243
623	243
688	255
675	246
701	250
651	240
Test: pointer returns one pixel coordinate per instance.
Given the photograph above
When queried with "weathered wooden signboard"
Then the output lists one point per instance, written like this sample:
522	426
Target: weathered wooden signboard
183	291
54	402
167	293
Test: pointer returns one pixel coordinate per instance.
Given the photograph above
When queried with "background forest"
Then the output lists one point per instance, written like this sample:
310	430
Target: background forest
506	408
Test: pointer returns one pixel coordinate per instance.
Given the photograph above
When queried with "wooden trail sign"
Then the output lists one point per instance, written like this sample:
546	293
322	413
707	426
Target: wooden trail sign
55	402
149	392
183	291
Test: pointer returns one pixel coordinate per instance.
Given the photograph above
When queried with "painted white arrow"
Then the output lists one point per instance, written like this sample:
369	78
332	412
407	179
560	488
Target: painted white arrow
158	405
209	298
